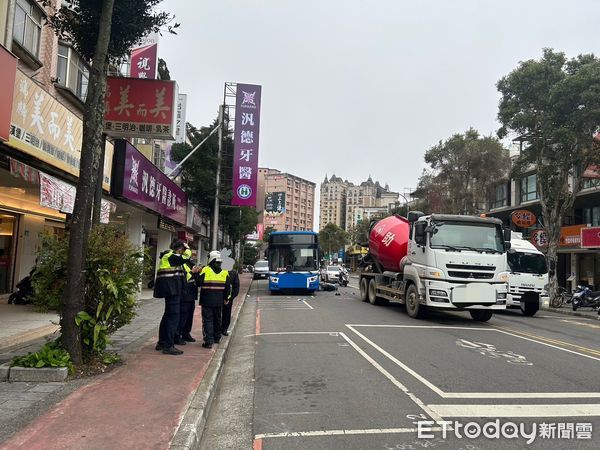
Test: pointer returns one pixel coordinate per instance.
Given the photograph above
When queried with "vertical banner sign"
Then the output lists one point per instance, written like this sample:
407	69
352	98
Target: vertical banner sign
245	154
144	62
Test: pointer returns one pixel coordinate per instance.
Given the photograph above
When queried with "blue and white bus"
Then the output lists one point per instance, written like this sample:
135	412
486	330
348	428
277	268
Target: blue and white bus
293	261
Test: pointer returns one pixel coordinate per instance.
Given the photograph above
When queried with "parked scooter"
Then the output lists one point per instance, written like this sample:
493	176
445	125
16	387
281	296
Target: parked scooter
343	278
584	297
24	292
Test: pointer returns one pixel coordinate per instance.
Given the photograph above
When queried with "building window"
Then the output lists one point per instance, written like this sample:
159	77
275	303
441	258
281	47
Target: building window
591	216
27	28
590	183
501	196
72	72
529	188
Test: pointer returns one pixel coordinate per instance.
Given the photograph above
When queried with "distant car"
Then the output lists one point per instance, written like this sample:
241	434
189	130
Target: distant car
261	270
331	274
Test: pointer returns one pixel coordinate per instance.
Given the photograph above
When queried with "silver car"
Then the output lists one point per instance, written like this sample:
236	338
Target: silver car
331	274
261	270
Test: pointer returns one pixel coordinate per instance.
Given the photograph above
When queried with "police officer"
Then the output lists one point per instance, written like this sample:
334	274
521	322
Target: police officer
214	286
169	285
188	303
227	306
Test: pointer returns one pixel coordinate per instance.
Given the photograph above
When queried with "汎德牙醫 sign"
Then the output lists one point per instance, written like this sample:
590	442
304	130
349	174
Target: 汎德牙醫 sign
136	179
245	154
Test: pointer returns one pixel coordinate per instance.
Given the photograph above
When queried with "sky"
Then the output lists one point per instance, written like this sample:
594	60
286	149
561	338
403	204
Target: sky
359	88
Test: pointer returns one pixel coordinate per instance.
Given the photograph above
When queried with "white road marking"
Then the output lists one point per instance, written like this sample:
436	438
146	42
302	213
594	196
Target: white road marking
304	301
497	395
302	308
576	322
525	410
399	363
390	377
330	333
340	432
420	326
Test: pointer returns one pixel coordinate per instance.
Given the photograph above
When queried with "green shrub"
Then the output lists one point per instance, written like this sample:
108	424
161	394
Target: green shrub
114	269
50	355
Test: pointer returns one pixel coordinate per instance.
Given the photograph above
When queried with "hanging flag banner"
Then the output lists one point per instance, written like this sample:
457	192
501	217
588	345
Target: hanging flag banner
245	154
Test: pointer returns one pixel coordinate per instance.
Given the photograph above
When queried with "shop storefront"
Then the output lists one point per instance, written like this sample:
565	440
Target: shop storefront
150	207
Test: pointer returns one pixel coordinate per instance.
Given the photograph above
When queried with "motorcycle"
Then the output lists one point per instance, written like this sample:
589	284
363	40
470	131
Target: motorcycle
343	278
584	297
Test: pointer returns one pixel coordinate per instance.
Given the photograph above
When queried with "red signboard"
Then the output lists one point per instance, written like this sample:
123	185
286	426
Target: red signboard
144	62
591	171
523	218
137	107
590	237
8	62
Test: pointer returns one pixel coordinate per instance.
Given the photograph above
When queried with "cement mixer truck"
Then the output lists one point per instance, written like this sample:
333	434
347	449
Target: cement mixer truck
443	262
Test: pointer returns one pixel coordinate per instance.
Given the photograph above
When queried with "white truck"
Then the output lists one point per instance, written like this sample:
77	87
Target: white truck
444	262
528	276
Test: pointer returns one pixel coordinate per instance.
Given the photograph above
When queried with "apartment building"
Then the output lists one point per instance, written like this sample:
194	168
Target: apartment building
285	202
578	261
332	206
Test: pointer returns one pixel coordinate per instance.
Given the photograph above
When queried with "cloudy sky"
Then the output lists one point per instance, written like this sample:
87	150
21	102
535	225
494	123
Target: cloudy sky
357	87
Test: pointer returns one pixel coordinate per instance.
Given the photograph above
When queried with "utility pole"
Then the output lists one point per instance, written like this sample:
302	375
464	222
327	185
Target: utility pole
215	224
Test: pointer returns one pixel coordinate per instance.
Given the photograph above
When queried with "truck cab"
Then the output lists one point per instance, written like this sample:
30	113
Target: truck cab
528	276
459	262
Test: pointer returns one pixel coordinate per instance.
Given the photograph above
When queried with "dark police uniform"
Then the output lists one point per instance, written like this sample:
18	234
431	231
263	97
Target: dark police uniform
188	304
214	289
169	285
235	290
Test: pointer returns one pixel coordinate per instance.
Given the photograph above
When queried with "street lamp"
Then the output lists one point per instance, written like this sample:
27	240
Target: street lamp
407	204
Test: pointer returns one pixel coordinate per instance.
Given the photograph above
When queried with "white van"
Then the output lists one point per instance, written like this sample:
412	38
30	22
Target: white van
527	277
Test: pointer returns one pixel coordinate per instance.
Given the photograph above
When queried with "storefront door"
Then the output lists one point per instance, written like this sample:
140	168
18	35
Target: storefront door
8	233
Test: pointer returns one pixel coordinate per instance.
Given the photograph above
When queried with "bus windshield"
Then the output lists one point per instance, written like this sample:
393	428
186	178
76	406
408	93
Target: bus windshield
467	236
296	252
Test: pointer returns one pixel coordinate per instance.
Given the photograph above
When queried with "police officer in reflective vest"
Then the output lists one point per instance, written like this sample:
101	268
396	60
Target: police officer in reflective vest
188	303
169	285
214	287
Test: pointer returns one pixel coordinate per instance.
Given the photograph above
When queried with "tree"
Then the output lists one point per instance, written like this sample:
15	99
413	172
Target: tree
332	238
359	234
266	233
553	104
250	254
163	70
463	171
101	31
238	222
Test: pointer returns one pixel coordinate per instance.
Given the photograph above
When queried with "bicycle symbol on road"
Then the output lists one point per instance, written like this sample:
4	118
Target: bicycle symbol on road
491	351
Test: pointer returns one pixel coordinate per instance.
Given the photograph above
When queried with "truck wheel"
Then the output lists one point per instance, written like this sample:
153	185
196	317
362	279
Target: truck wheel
364	289
529	309
413	306
372	293
481	315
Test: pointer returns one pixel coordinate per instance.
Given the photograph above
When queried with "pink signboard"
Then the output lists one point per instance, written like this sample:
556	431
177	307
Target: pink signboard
590	237
144	62
245	154
136	179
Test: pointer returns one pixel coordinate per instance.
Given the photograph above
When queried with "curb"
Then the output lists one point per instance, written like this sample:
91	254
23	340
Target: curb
29	335
567	312
38	375
189	433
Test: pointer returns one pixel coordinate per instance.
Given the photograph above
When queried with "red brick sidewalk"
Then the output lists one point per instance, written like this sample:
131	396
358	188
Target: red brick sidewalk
138	405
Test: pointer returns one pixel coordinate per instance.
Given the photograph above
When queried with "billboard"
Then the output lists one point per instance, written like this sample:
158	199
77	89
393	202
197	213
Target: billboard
140	108
44	128
136	179
275	204
245	154
144	62
8	62
523	218
590	237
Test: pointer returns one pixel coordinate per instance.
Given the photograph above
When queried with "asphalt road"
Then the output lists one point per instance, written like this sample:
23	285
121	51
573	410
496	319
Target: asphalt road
330	371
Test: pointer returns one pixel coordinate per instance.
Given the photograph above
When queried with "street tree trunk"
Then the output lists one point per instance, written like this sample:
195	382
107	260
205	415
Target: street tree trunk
81	221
